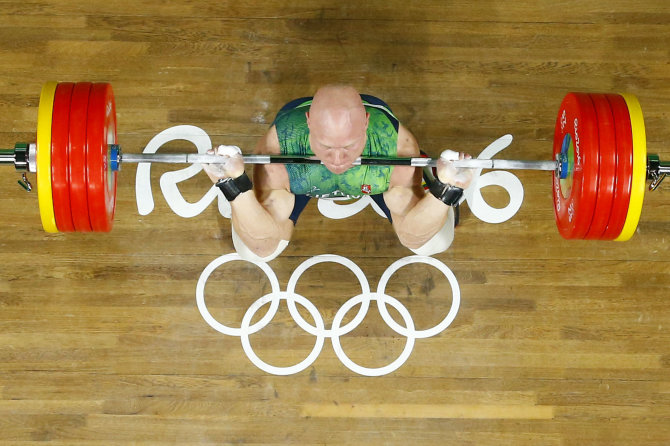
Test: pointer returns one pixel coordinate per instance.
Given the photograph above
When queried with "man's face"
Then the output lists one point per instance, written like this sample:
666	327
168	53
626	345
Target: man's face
338	149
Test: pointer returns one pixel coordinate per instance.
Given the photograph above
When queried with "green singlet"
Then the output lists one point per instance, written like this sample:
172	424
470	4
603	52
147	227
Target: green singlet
314	180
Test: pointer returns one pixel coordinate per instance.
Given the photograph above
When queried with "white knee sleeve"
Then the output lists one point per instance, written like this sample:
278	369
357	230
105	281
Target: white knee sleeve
246	253
441	241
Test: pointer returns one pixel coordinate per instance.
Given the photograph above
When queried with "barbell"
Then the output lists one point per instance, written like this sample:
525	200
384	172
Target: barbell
600	164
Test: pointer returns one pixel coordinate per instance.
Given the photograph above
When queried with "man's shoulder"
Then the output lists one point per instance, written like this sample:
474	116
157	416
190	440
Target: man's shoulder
268	144
407	143
296	107
380	113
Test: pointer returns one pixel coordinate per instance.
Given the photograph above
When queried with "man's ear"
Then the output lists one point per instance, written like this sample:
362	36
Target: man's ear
367	120
307	115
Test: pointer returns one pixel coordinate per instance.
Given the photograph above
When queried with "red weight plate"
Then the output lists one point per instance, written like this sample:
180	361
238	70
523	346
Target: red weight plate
624	170
608	164
576	135
77	156
60	184
101	131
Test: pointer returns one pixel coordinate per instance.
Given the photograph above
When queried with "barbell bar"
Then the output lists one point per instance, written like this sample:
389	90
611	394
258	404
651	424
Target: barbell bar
600	164
18	157
197	158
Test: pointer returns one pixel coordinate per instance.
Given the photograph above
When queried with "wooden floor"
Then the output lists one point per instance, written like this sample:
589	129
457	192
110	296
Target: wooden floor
555	343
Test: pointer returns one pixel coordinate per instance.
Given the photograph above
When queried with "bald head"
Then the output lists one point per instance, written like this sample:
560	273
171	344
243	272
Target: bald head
337	108
337	123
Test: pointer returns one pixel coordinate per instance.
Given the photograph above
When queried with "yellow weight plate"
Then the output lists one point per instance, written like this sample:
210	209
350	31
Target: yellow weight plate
638	184
44	115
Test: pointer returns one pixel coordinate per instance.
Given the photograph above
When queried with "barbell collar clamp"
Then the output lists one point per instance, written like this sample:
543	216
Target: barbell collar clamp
115	157
20	156
561	165
657	170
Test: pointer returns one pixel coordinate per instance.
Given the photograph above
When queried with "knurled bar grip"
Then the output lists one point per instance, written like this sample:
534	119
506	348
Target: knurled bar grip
188	158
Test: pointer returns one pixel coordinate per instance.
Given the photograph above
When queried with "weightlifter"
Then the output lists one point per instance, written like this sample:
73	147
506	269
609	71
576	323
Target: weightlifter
338	125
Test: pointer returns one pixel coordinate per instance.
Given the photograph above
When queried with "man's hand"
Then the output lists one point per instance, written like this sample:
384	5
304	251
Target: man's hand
233	166
448	174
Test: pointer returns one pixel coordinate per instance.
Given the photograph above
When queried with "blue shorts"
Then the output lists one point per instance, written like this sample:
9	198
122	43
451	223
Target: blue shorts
302	200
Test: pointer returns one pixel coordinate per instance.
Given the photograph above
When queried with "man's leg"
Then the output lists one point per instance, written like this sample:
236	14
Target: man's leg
441	241
246	253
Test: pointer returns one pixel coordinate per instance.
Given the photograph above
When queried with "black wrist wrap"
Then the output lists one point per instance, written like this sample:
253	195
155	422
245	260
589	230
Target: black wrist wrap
446	193
232	187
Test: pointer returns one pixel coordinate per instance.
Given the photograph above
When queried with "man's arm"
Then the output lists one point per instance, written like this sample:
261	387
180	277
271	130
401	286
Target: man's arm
418	216
260	216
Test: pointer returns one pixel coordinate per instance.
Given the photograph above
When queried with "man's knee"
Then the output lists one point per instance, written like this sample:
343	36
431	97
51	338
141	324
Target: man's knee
247	254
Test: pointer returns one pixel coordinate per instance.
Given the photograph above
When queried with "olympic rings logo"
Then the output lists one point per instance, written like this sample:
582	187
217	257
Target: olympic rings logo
318	329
